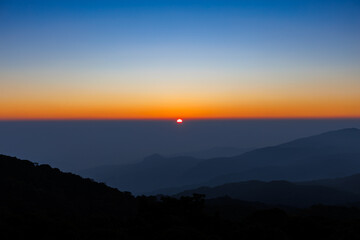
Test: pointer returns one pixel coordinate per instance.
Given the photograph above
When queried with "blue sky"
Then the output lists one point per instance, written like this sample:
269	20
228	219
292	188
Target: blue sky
61	29
173	47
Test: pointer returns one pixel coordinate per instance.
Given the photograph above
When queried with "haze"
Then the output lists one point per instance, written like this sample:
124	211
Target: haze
75	145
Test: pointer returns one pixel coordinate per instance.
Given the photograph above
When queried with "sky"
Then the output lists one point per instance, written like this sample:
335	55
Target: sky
168	59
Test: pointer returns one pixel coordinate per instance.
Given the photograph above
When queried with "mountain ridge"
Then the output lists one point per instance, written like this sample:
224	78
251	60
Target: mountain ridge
304	158
277	193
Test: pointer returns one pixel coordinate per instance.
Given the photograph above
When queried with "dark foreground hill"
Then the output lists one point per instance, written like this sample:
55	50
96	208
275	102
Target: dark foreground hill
279	193
40	202
349	183
38	199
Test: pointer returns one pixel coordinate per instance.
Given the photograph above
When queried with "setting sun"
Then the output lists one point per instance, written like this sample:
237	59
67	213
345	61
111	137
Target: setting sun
179	120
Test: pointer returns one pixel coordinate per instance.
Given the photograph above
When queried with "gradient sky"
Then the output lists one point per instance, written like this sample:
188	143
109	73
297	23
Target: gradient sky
168	59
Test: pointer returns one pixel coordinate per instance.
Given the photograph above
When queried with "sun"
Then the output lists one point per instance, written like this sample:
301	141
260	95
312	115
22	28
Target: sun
179	120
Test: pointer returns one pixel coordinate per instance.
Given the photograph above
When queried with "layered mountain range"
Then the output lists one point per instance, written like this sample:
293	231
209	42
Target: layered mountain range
328	155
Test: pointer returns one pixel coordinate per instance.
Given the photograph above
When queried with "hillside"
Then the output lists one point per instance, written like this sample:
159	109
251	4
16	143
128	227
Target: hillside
22	182
153	172
40	202
277	193
328	155
214	152
349	183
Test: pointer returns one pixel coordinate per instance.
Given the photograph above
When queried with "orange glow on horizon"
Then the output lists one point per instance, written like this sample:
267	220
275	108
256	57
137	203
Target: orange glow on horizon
92	106
48	112
331	95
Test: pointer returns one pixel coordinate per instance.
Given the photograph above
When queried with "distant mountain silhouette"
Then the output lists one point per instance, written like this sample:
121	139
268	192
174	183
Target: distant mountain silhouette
214	152
350	183
153	172
277	192
328	155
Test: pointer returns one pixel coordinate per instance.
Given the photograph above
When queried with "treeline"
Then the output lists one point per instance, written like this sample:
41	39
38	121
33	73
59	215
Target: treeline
40	202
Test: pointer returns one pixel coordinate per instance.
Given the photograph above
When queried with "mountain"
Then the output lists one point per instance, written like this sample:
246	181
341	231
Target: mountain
214	152
349	183
328	155
278	193
40	202
153	172
23	182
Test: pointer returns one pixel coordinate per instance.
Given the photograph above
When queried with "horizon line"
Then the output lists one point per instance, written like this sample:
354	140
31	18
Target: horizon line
175	118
